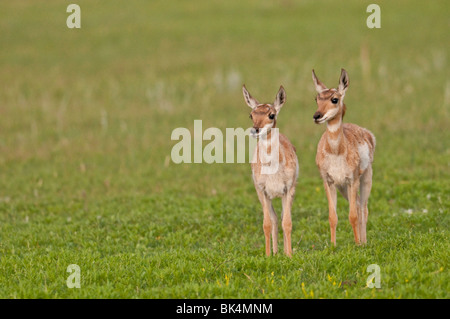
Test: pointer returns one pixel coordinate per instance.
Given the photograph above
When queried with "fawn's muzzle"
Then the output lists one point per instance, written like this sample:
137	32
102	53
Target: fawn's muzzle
317	116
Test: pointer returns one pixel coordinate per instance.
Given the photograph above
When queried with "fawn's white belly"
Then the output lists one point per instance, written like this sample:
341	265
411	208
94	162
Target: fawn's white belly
277	184
274	185
337	169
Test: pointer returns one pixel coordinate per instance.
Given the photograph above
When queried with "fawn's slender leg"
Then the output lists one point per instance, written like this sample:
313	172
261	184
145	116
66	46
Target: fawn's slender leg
267	222
365	188
286	201
354	215
330	190
274	220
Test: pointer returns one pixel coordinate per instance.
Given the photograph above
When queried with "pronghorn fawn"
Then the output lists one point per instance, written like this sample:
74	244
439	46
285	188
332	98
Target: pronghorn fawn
344	158
274	168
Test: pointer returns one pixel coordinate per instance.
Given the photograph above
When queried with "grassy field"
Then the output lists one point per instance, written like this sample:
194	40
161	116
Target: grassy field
85	172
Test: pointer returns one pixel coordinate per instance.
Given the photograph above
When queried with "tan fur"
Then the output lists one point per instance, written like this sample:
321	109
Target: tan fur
282	182
344	158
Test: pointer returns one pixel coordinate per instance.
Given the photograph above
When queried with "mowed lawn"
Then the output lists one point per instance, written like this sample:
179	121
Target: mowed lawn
86	176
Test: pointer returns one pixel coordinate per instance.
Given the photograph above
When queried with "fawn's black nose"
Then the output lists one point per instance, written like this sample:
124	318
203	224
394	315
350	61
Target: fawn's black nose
256	129
317	115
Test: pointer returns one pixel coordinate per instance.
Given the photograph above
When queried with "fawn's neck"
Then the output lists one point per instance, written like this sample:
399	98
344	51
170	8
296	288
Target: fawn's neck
335	135
269	141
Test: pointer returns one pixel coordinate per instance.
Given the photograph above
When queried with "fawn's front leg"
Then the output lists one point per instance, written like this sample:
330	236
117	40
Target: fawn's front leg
267	221
267	224
330	190
274	220
287	220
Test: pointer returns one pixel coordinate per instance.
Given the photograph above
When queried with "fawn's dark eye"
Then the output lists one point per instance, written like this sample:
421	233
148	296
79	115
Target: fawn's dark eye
271	116
334	100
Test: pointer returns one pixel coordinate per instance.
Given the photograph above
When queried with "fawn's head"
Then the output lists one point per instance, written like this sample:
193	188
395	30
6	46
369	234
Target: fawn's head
264	116
330	102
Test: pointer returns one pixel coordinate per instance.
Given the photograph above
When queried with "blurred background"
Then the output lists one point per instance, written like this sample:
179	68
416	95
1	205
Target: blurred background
92	109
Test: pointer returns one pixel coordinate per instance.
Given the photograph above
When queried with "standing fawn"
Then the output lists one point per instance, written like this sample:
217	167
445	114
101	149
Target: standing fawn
273	150
344	157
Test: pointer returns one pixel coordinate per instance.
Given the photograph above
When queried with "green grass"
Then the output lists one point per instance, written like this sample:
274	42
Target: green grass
85	123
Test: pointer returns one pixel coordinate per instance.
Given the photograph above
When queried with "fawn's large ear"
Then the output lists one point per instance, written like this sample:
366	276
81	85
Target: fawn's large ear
251	101
343	82
280	99
320	87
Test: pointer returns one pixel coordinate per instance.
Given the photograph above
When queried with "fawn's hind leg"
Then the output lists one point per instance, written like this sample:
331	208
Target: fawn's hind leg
364	190
287	200
355	211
